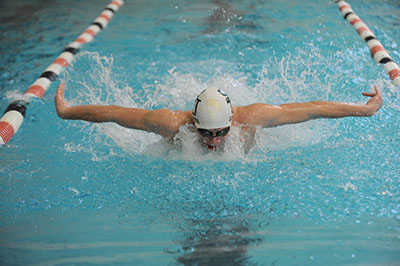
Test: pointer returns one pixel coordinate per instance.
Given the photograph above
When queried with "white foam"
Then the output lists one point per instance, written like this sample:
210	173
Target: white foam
278	82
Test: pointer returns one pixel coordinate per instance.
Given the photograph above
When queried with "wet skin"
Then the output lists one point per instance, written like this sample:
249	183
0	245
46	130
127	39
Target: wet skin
214	141
167	123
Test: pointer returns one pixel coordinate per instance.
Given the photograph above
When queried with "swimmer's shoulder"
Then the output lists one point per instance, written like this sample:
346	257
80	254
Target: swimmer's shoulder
166	122
184	117
177	118
181	118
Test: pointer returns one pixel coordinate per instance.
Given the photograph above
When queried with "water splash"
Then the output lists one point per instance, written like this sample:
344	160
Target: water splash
278	177
277	82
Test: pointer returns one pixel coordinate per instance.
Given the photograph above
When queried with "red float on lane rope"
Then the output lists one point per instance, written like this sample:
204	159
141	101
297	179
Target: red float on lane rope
13	117
90	32
374	45
354	21
36	90
395	73
105	17
6	131
376	49
362	29
61	61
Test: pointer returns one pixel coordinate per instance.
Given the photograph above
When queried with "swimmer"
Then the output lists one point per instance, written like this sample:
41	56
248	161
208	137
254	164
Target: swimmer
213	115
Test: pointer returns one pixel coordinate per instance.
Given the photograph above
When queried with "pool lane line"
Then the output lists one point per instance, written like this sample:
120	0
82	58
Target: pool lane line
15	112
378	52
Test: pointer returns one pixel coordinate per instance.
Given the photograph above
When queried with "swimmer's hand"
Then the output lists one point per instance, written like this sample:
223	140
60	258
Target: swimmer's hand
61	106
375	103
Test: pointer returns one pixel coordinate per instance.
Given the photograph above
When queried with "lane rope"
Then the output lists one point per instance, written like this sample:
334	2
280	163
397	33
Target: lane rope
14	115
378	52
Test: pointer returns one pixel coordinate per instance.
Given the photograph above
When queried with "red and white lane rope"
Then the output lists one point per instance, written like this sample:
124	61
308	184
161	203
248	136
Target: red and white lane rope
378	53
15	112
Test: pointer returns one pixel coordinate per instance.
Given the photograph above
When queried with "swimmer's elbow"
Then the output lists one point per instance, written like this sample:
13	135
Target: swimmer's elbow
369	113
63	114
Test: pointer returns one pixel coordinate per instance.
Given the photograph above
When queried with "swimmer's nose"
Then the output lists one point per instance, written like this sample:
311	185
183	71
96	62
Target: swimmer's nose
215	140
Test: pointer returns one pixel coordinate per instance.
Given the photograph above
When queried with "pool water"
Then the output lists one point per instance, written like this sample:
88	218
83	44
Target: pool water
324	192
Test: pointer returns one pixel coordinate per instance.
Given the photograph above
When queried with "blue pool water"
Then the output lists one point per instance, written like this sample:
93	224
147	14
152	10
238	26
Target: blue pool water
325	192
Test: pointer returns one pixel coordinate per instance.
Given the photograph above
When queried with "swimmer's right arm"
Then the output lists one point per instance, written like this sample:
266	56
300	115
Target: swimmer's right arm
161	121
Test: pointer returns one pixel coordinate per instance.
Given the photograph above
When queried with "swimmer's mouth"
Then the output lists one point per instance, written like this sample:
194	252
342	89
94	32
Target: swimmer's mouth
211	147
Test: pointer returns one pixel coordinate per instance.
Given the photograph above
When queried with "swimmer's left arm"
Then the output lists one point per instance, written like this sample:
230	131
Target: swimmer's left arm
272	116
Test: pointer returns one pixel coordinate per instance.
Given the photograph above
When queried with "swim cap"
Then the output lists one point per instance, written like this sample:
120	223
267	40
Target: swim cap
212	109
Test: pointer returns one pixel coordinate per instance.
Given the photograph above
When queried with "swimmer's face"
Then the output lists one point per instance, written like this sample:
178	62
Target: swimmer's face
213	138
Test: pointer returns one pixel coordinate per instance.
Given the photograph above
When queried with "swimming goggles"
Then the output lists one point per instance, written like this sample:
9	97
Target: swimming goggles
210	134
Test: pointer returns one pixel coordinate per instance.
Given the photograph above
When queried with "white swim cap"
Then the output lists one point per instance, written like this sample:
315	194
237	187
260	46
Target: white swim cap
212	109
